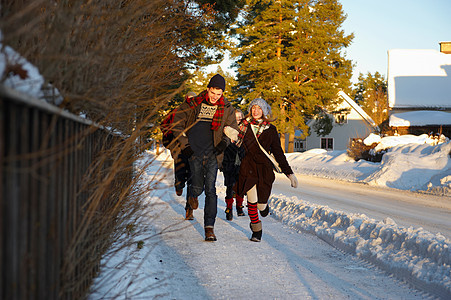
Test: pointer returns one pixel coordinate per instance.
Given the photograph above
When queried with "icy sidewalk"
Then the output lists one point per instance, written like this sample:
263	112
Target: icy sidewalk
286	265
415	255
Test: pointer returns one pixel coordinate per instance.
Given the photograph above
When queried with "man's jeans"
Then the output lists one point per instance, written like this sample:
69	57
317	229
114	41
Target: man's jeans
203	177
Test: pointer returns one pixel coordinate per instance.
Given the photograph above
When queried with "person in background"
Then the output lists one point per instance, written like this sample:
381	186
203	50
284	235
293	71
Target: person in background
199	126
231	168
181	165
256	174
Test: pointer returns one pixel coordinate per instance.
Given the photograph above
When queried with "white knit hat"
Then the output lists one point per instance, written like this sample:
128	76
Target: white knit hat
263	105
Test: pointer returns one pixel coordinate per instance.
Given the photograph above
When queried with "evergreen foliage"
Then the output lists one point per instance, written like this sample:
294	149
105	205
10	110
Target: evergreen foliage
213	19
371	93
226	11
289	53
200	78
323	124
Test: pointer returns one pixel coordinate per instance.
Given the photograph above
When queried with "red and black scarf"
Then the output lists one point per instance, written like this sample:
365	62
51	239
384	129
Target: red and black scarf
217	118
262	125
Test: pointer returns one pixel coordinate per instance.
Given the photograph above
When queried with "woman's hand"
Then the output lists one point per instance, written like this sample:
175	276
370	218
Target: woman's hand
294	180
231	133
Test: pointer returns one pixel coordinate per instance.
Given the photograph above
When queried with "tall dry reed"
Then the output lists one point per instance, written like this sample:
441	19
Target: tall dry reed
117	63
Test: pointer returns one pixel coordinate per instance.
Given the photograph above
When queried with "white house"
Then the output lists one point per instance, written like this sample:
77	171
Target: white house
419	90
351	123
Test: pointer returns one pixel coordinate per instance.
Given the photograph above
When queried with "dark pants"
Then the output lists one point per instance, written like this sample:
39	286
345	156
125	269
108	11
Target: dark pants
203	177
230	192
181	171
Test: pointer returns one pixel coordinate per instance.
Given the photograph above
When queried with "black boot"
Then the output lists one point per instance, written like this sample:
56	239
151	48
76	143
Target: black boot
256	236
239	211
256	231
229	214
265	212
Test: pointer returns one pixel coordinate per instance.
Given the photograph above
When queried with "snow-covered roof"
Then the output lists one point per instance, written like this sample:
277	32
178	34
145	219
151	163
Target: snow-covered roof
419	78
420	118
355	107
359	110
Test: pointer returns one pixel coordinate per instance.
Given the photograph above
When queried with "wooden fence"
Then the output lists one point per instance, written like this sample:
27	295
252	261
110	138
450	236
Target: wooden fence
45	157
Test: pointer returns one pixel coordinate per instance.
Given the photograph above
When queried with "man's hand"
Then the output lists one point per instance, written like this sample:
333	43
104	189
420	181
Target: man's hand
220	147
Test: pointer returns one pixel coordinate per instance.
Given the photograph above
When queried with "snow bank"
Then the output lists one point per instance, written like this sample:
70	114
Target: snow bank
22	75
330	164
19	74
415	163
411	254
392	141
413	167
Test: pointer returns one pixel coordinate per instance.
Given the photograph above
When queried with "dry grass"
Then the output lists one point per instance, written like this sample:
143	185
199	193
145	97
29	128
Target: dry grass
110	59
118	63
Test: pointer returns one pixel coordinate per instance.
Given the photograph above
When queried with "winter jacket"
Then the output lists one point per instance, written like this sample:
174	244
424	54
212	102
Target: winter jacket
256	168
186	117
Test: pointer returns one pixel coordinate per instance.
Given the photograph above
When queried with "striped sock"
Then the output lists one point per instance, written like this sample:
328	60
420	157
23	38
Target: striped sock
253	212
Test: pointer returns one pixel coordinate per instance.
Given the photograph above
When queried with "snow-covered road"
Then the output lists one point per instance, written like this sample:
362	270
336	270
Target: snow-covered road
406	208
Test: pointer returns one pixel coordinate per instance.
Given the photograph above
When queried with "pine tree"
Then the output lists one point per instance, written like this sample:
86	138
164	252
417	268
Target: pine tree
371	93
200	78
289	53
214	17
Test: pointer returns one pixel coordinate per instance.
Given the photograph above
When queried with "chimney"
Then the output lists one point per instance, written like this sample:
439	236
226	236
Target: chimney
445	47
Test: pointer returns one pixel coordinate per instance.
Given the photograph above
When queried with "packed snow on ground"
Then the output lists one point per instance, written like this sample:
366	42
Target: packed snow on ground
413	254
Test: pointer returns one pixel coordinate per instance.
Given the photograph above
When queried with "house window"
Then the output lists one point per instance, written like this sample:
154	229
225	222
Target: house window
299	145
341	118
327	143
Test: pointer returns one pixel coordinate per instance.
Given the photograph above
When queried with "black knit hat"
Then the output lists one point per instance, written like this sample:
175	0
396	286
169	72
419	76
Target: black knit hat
217	81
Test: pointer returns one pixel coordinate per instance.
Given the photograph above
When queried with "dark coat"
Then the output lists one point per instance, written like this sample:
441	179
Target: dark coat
185	118
231	163
256	168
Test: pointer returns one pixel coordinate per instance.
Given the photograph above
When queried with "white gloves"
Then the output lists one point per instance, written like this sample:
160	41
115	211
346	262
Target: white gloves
231	133
294	180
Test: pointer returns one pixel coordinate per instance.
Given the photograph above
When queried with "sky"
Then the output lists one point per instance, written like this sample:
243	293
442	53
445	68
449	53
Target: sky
288	263
382	25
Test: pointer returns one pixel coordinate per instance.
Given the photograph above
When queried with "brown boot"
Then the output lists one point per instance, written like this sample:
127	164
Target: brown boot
193	202
189	214
209	234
